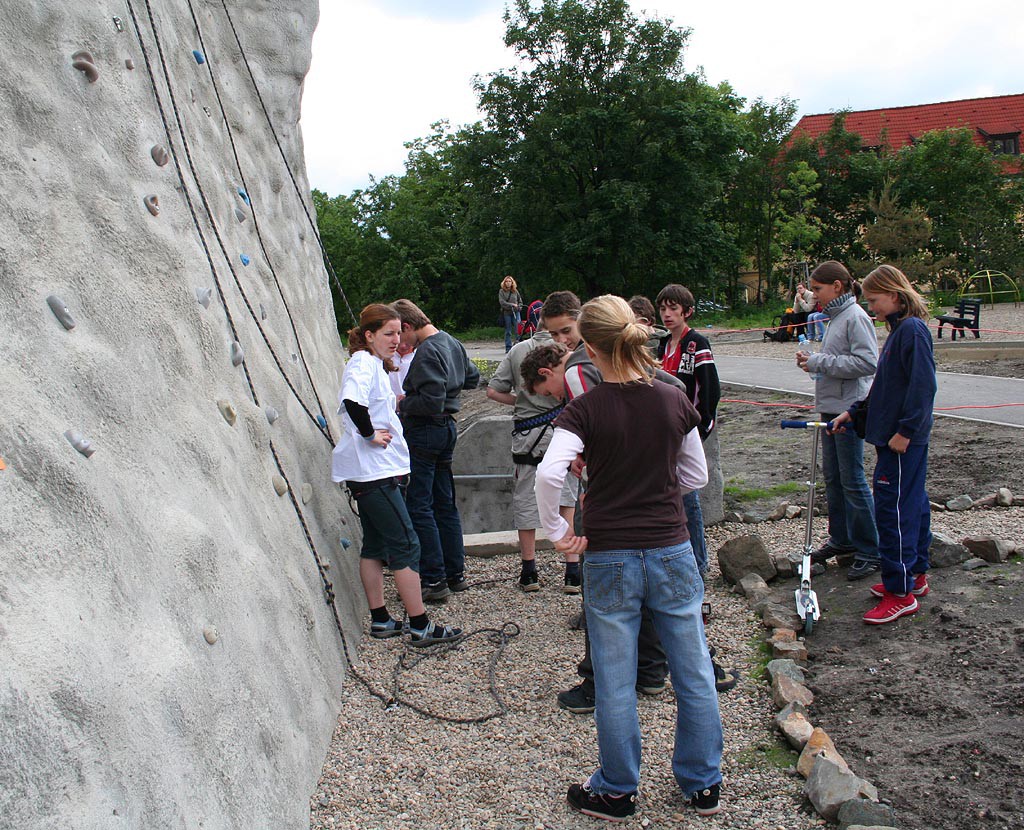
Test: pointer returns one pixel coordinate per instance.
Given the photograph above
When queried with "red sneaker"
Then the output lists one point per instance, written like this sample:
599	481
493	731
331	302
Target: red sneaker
891	608
920	588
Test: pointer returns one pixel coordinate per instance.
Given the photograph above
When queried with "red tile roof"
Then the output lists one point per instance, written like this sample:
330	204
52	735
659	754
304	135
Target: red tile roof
897	126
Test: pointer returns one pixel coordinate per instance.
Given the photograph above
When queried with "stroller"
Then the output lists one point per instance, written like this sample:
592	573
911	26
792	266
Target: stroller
531	323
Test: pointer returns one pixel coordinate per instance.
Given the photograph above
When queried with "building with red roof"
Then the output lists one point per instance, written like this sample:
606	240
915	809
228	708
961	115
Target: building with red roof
995	122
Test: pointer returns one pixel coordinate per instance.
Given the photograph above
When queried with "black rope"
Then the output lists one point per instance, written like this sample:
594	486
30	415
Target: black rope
209	213
252	206
295	184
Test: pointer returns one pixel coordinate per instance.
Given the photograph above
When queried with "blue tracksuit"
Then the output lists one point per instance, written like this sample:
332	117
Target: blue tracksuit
901	401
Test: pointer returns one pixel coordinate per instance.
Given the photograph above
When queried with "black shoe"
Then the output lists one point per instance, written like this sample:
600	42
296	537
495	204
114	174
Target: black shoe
433	634
572	583
458	584
436	592
529	581
828	550
706	801
724	680
579	699
577	622
650	687
607	806
862	568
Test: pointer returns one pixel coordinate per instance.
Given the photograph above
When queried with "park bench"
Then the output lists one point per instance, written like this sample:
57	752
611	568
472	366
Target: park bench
964	316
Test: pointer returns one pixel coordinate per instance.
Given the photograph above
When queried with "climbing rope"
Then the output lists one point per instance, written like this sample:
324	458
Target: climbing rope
291	175
252	206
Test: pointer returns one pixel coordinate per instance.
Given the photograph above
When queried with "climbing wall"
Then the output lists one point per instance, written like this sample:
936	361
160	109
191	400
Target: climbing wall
169	361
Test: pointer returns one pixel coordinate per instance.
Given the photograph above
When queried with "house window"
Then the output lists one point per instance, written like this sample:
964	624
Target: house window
1007	145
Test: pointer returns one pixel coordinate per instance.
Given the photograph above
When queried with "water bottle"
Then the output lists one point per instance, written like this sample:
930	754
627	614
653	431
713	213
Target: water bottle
802	339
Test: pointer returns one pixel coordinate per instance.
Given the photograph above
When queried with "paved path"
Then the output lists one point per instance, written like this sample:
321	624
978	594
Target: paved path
783	375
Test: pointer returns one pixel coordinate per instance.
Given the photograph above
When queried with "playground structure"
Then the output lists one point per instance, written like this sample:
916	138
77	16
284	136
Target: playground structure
986	285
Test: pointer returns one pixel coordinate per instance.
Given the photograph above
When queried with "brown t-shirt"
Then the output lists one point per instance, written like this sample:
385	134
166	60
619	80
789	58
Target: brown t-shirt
631	435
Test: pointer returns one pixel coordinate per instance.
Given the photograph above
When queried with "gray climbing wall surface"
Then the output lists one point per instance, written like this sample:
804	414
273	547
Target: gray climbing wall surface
169	363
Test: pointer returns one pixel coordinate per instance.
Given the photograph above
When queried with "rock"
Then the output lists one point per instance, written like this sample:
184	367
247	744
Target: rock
793	511
754	588
785	690
732	516
779	616
750	517
937	507
963	502
945	552
787	667
797	652
818	746
870	827
986	501
830	786
743	555
860	812
794	726
989	548
1004	498
782	635
779	512
787	564
973	564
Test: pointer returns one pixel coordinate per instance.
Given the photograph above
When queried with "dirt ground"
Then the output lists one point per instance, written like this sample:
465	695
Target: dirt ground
931	708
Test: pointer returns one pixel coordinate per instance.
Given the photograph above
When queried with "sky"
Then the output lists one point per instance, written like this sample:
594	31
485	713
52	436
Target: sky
384	70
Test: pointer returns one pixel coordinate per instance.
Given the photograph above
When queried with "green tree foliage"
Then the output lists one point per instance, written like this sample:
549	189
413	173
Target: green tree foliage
798	227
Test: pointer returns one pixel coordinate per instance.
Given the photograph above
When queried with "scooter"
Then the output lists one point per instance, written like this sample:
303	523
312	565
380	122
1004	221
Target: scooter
806	600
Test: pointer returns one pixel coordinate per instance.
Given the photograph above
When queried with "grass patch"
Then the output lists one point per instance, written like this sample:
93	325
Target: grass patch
775	753
736	490
762	654
480	333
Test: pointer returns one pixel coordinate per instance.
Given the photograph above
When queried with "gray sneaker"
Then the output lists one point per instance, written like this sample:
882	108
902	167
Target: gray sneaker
436	592
862	568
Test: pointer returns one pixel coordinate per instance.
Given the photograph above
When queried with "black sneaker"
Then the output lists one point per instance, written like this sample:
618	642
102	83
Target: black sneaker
706	801
724	680
529	581
572	583
436	592
827	551
651	688
579	699
607	806
862	568
433	634
458	584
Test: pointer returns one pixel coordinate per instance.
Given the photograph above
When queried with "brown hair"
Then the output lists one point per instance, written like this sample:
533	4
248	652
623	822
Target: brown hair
411	314
675	293
371	318
886	279
642	307
559	303
511	280
547	356
831	271
607	325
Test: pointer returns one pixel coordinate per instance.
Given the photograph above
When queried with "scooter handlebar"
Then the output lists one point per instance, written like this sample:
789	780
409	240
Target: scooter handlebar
805	424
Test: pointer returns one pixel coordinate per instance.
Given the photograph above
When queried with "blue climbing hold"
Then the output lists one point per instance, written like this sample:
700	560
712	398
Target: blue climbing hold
199	56
244	195
345	543
245	259
320	419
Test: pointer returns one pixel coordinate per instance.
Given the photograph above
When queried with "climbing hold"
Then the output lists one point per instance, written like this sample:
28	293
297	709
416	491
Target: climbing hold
272	414
129	63
118	23
237	354
295	358
244	195
60	311
263	312
152	204
3	466
160	155
280	485
307	492
245	259
208	111
240	215
320	419
345	543
204	295
199	56
83	62
210	634
228	411
80	442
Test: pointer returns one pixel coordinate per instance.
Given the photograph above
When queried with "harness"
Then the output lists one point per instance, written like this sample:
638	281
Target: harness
524	426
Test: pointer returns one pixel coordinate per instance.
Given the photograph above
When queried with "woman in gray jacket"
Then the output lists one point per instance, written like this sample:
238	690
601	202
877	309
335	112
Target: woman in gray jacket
843	370
511	302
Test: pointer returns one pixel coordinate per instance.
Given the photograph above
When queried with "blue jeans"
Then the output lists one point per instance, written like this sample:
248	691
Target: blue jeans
616	584
816	325
904	515
851	509
695	525
430	499
511	329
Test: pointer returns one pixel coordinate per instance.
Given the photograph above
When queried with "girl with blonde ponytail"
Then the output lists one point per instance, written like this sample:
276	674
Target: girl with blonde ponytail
641	447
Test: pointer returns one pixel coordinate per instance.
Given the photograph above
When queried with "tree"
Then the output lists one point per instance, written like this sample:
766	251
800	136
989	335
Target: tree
798	228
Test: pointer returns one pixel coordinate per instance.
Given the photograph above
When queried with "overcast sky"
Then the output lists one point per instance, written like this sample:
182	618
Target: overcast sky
384	70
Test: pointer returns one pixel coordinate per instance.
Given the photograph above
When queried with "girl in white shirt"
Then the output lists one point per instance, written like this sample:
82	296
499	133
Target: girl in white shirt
370	459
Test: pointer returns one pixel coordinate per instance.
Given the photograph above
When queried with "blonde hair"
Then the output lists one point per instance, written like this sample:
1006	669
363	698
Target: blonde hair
886	279
608	325
511	280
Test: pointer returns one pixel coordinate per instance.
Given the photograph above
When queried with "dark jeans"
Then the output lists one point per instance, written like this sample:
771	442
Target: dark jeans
511	322
431	501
